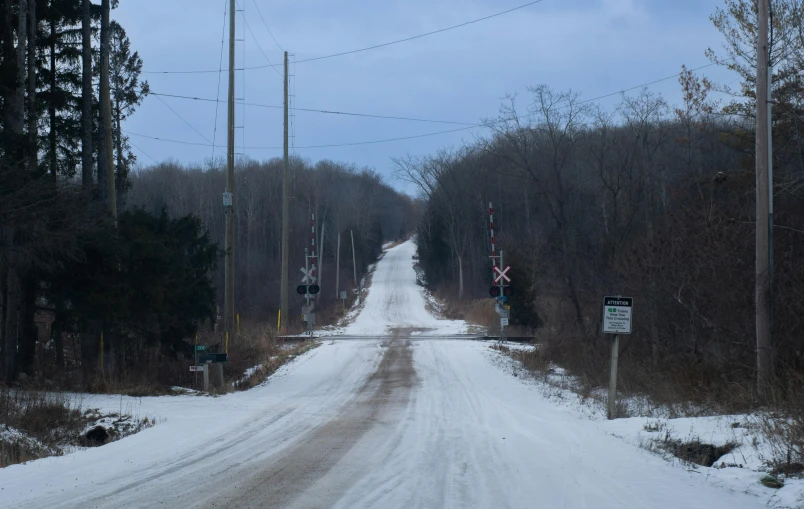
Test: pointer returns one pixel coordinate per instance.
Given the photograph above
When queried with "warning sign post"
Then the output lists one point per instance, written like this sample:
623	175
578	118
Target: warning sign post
616	321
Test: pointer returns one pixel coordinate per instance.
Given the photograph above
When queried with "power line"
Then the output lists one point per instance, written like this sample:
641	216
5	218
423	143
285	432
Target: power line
391	139
266	26
368	48
193	143
644	84
311	146
218	95
468	126
421	35
329	112
412	119
144	152
270	64
186	122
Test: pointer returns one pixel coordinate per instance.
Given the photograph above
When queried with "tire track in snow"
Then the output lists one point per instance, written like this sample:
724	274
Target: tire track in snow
290	480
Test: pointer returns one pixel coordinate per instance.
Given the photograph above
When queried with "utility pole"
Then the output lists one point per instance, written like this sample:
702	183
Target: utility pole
771	311
321	255
106	100
354	263
763	193
338	269
285	209
228	196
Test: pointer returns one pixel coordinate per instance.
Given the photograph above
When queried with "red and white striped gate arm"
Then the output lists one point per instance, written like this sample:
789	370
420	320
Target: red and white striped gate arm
312	243
493	249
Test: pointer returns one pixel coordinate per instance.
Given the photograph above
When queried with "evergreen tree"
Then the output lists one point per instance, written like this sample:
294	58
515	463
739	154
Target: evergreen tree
127	93
60	85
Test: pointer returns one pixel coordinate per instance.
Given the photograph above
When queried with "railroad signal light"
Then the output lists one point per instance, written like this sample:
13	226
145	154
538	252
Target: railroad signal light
494	291
508	291
313	289
301	289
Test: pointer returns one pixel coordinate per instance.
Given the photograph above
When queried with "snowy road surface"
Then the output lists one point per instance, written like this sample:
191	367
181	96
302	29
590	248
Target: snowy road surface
387	423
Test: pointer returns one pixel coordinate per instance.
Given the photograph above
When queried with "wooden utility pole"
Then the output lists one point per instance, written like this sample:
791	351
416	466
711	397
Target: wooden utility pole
762	295
86	95
338	269
285	208
32	117
321	255
354	262
228	201
106	100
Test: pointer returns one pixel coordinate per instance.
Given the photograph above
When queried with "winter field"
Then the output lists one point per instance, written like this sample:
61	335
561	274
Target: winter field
393	421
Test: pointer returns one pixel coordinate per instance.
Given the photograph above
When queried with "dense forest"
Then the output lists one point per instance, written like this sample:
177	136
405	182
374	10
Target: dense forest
107	275
345	200
649	200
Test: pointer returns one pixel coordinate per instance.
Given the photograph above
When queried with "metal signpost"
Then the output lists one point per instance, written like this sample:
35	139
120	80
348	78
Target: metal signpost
616	321
308	288
500	290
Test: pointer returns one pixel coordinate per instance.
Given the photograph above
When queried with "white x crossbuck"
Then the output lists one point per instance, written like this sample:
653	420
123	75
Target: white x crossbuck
501	274
308	278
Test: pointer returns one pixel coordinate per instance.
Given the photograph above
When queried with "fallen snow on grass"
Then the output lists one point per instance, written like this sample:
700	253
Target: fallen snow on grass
738	471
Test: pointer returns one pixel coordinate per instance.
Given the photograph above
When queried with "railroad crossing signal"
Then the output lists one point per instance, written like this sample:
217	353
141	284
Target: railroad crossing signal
501	274
305	289
496	291
308	277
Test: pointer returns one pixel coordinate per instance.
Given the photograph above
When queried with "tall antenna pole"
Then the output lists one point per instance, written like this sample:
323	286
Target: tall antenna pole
763	328
228	201
285	207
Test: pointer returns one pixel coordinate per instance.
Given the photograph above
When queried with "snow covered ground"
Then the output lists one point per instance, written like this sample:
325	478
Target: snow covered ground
388	422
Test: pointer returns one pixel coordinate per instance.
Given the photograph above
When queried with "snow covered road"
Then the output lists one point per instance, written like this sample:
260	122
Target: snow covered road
387	423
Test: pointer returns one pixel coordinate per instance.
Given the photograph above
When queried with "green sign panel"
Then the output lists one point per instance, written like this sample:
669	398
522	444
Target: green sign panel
200	348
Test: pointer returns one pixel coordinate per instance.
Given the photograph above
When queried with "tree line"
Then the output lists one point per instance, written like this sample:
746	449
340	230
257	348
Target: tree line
647	200
347	201
107	274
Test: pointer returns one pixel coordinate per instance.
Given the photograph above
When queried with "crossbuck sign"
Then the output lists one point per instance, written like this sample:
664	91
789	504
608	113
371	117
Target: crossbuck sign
617	315
308	278
501	274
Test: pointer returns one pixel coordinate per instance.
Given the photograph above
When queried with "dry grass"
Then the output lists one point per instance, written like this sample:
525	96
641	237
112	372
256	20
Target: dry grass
36	424
269	366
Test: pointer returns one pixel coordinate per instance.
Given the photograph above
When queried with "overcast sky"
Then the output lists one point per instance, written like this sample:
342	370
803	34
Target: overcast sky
594	47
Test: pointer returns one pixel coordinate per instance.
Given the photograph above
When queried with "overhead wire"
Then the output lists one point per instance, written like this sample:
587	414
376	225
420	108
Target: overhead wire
619	92
368	48
406	39
468	126
329	112
266	26
143	152
185	121
243	80
220	74
270	64
369	142
413	119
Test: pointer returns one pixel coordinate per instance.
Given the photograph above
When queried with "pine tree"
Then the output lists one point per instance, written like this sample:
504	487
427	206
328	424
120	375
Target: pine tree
60	86
127	92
